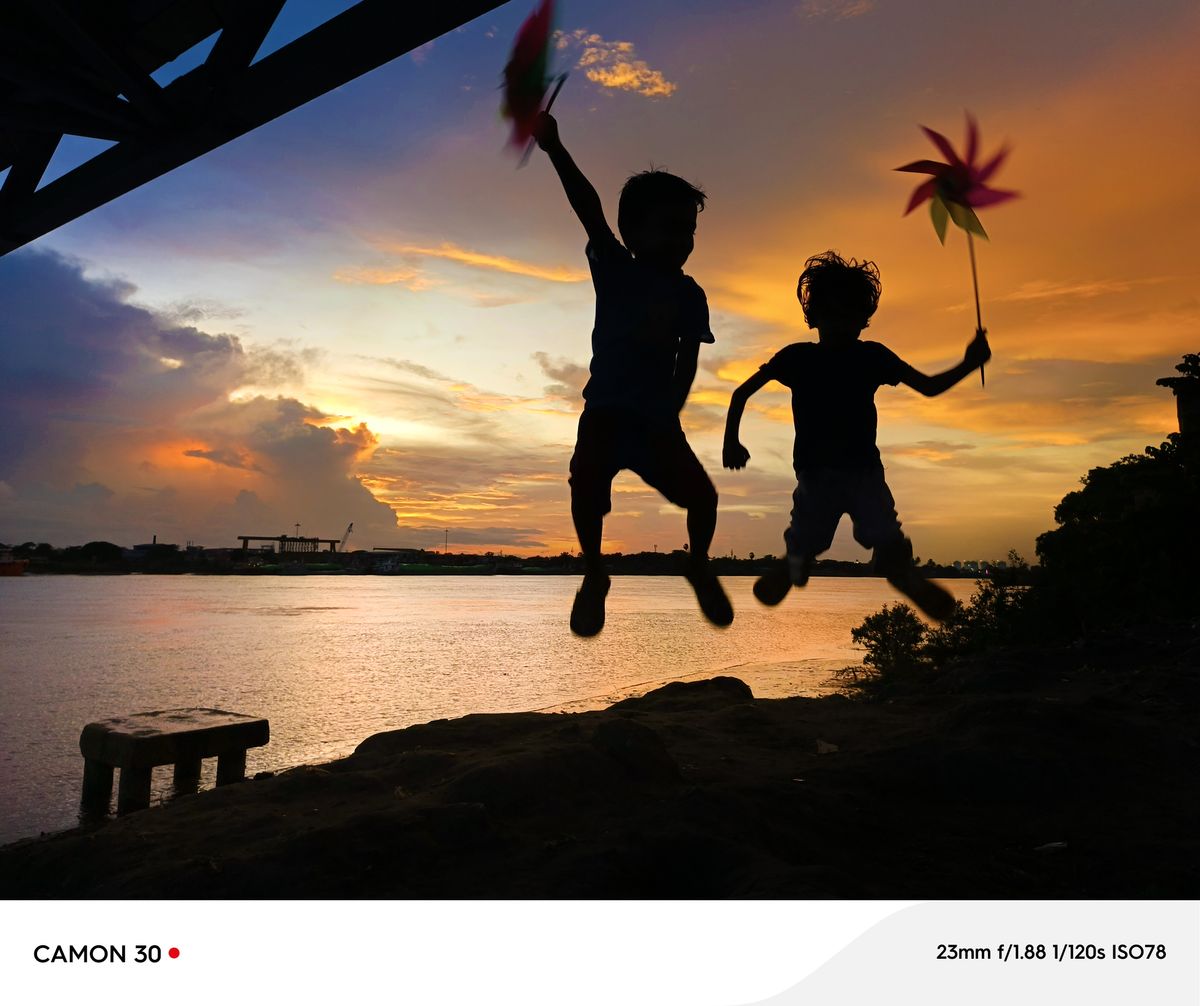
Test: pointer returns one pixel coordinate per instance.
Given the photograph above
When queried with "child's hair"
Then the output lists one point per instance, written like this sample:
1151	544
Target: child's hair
648	189
830	281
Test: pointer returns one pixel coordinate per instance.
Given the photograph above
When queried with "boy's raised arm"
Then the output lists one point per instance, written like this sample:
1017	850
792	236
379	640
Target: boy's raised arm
734	454
978	353
581	194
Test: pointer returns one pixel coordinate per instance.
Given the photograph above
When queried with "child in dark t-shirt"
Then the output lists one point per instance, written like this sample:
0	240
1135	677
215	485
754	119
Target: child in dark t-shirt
650	322
838	469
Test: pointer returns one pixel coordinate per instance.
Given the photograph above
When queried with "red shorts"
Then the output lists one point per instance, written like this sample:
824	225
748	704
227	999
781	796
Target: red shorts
611	440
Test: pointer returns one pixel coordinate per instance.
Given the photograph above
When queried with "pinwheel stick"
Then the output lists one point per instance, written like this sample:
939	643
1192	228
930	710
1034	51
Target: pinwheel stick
975	283
553	94
957	187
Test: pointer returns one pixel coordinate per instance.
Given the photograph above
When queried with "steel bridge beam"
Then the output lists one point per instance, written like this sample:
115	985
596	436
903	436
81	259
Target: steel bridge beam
159	129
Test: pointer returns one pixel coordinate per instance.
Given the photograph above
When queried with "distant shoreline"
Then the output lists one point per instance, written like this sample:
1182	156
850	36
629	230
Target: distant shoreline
101	557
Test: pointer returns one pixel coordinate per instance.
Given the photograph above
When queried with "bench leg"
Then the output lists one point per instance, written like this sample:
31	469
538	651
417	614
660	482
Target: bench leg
231	767
187	775
97	787
133	792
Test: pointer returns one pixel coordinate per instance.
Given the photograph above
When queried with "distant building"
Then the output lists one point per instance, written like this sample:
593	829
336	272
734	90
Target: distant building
153	549
289	544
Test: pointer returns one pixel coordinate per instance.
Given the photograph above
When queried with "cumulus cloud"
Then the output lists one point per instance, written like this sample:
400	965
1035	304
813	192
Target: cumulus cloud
99	396
615	65
277	366
230	458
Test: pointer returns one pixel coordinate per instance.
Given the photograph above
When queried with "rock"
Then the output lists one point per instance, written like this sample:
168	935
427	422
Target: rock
637	749
414	768
459	826
711	693
556	776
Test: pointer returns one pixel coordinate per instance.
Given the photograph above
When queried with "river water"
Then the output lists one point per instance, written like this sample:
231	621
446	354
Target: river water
330	660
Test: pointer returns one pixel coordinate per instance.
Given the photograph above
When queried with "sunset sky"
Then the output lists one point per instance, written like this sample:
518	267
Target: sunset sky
363	312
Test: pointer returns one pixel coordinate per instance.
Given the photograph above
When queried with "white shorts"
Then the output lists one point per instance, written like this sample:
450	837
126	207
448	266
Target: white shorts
823	494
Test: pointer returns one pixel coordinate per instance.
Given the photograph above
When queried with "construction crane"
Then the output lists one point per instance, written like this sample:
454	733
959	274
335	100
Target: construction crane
346	537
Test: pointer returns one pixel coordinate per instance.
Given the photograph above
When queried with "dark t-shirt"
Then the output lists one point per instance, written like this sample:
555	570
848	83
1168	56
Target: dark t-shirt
642	318
833	399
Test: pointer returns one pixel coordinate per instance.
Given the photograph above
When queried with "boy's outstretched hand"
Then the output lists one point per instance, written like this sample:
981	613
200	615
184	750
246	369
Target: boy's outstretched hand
545	131
978	351
734	455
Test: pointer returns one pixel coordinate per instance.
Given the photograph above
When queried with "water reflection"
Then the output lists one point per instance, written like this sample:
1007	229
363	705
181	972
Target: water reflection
331	661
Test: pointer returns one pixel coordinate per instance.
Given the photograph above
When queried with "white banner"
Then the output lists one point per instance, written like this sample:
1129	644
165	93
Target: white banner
686	953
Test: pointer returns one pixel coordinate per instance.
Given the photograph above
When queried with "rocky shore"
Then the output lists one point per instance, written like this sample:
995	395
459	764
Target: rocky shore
1030	774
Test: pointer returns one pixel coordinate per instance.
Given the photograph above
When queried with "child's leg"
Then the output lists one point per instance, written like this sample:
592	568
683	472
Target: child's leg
667	463
589	528
877	526
593	466
773	586
702	524
894	561
876	523
817	507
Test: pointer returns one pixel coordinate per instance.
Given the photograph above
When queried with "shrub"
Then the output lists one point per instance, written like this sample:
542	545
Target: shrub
894	640
904	652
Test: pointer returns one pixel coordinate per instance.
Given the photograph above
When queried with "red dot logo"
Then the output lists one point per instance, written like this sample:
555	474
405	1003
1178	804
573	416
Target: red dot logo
173	953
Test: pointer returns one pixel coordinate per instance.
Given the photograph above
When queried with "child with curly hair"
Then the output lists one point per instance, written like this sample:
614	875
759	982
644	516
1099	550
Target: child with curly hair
838	469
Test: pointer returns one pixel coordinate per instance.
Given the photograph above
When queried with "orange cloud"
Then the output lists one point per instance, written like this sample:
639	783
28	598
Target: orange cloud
473	399
737	371
450	252
410	279
1070	421
615	65
709	396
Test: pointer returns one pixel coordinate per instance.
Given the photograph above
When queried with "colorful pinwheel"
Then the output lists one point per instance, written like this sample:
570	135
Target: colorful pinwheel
955	189
525	75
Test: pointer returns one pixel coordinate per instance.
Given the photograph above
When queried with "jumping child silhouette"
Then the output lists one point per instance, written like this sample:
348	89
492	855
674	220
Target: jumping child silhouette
650	321
837	464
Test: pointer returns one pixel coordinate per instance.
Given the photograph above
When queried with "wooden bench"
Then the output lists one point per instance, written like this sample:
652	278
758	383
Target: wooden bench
181	737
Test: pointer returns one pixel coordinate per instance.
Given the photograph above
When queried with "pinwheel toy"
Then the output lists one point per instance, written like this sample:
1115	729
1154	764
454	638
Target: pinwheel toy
525	76
956	189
